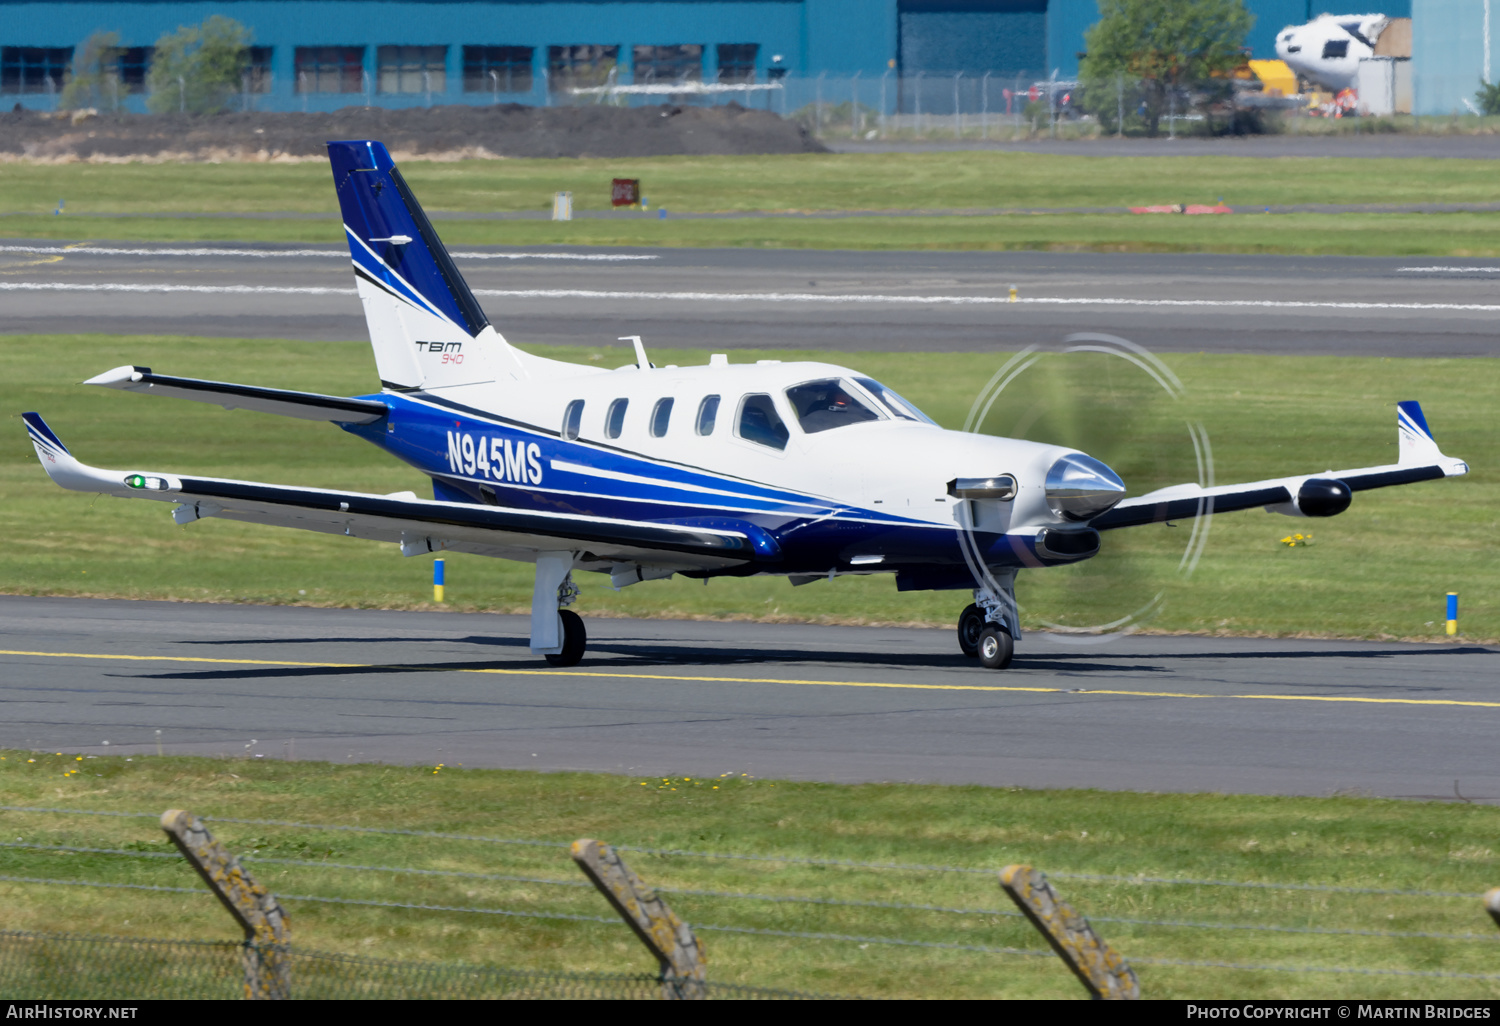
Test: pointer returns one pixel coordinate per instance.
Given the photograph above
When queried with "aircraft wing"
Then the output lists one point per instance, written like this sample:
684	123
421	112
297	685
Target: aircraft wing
303	405
1314	495
418	525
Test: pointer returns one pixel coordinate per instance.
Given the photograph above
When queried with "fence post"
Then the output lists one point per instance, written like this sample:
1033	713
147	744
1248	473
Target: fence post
668	938
267	929
1098	966
1492	904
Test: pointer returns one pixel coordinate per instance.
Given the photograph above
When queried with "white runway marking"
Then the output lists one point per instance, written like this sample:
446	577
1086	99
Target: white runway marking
1448	270
269	253
762	297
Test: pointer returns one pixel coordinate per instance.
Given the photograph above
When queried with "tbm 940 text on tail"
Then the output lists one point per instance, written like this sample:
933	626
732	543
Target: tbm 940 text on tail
803	470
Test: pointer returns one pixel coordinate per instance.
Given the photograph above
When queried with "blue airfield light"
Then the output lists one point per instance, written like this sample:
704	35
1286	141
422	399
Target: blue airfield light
437	580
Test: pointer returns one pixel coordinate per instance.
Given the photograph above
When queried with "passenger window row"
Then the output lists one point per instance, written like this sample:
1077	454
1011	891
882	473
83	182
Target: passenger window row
661	417
819	405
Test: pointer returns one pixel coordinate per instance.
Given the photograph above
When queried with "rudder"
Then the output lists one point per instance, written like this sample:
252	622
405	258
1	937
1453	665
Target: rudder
426	327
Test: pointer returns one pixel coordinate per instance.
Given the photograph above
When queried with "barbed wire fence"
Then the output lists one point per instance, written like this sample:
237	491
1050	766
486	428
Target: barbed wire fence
40	958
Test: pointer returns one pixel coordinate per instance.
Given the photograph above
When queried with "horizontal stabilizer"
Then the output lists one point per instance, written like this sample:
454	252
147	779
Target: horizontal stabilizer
303	405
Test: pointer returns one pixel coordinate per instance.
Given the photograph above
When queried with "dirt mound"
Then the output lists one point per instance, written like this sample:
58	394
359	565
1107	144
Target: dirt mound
452	132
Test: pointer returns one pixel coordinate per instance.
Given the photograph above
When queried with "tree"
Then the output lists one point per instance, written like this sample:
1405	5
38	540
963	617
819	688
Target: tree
94	73
199	67
1488	97
1166	49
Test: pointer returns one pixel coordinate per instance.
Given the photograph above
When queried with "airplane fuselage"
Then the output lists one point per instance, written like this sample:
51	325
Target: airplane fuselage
870	495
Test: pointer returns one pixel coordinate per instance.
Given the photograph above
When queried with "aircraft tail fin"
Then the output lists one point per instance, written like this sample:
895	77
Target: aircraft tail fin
426	327
1417	446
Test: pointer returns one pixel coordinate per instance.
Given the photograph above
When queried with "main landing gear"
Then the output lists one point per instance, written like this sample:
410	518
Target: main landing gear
985	627
557	633
574	640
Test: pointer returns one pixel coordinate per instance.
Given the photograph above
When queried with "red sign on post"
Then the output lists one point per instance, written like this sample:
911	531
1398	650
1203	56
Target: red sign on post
625	192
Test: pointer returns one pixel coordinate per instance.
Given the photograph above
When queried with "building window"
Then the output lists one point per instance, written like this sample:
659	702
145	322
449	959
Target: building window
330	69
34	69
412	69
497	69
258	68
683	63
135	65
737	61
570	67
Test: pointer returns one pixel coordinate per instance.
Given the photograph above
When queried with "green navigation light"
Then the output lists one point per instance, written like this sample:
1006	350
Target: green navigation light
136	481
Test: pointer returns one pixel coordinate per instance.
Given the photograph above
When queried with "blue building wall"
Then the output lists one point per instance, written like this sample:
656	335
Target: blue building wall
1447	53
836	37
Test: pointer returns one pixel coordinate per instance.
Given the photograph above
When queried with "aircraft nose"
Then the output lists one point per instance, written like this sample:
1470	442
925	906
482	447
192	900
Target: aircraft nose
1080	487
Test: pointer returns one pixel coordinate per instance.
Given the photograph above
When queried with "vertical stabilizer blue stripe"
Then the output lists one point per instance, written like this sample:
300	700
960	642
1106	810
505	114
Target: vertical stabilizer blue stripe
1413	411
377	205
38	426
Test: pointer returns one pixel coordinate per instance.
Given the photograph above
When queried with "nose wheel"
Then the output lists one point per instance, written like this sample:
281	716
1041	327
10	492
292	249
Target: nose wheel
575	639
996	647
980	637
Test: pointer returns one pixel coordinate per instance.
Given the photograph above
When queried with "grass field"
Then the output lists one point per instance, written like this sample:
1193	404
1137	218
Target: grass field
1454	235
1344	842
883	181
869	182
1378	571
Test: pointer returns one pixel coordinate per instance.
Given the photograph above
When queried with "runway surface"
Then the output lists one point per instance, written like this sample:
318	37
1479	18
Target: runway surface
822	300
801	702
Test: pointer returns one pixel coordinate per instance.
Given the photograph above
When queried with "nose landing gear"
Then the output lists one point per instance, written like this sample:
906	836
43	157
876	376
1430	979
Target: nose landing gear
987	627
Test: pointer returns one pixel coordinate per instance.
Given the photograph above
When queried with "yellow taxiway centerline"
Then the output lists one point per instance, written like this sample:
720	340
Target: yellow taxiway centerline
612	675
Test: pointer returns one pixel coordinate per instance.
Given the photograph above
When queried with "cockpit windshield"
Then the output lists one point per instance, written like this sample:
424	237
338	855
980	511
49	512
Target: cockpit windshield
828	403
898	406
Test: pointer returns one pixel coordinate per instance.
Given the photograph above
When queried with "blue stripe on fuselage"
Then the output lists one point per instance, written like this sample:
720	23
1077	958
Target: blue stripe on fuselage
814	532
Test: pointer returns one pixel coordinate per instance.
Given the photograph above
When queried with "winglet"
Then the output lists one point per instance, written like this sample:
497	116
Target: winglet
69	472
43	438
1415	437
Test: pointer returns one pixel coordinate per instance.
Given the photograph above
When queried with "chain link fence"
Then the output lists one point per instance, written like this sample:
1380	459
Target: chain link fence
68	966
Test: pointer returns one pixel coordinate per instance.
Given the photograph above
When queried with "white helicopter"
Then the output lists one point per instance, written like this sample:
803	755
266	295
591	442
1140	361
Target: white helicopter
1328	49
804	470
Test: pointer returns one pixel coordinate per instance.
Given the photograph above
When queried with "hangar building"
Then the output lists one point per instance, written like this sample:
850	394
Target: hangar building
315	53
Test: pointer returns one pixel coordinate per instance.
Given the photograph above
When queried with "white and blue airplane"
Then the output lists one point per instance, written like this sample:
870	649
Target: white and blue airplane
803	470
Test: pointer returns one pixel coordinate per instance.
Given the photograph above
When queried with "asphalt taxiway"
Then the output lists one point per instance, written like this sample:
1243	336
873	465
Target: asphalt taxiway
729	299
849	704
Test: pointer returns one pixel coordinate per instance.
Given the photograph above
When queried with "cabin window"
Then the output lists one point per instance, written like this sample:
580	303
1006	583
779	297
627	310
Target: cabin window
759	422
827	403
614	420
1335	48
661	416
708	412
572	419
898	406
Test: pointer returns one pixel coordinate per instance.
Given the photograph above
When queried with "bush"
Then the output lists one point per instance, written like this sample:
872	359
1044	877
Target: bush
93	74
199	67
1488	98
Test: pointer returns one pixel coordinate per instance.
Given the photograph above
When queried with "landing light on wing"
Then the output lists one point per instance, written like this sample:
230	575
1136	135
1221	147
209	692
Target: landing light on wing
1080	487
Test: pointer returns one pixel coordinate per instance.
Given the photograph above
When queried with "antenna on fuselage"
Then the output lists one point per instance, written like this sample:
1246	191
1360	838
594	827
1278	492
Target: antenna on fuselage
640	350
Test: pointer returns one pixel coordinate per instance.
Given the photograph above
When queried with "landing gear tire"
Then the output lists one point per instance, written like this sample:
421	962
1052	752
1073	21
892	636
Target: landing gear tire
575	640
970	626
996	647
